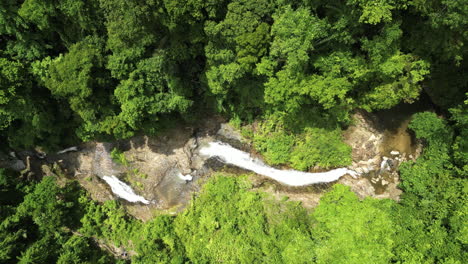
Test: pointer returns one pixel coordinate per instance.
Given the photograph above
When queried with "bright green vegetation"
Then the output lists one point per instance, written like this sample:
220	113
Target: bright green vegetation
436	230
292	70
302	147
119	157
228	223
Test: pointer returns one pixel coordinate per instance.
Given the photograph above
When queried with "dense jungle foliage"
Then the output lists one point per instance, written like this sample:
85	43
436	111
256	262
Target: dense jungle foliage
75	70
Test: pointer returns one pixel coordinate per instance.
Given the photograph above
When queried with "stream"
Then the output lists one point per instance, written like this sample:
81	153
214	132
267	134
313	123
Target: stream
389	139
124	191
231	155
174	162
228	154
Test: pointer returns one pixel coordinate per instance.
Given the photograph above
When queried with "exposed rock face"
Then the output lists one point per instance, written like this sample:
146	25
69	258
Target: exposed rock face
365	139
168	169
18	165
87	166
361	186
156	165
12	161
153	167
229	134
377	153
102	164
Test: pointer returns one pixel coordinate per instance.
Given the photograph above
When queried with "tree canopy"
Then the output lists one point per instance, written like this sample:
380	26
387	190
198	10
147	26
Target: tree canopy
113	68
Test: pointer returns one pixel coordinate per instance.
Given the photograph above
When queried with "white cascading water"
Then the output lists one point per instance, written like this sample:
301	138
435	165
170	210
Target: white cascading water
242	159
70	149
187	177
124	191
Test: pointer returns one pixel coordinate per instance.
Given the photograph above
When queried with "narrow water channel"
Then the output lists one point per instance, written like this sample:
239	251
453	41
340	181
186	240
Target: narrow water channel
231	155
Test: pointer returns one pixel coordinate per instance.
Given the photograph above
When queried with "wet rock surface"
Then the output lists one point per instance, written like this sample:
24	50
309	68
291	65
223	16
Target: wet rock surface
378	149
157	168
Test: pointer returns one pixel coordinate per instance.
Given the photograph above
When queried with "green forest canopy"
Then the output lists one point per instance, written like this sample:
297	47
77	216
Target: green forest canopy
110	68
74	71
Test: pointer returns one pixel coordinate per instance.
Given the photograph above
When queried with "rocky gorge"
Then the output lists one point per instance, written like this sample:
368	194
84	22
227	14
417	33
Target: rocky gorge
168	169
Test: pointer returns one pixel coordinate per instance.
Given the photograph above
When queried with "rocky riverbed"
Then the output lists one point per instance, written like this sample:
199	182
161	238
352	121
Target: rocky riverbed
168	169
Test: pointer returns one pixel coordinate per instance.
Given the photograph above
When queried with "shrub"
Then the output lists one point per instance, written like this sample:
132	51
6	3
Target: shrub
119	157
309	148
320	147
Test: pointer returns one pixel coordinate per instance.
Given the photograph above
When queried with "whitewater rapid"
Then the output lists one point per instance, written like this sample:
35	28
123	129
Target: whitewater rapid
231	155
124	191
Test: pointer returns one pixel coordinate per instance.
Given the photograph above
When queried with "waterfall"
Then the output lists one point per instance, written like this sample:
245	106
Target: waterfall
124	191
242	159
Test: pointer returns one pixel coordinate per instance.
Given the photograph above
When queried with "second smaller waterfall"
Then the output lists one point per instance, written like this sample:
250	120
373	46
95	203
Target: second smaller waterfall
124	191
